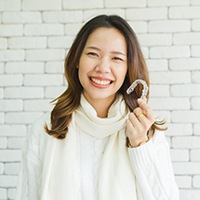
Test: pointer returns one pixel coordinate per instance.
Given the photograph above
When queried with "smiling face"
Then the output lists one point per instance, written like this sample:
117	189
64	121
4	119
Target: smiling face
103	65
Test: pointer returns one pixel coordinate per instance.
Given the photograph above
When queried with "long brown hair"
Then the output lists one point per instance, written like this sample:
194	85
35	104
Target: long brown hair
68	102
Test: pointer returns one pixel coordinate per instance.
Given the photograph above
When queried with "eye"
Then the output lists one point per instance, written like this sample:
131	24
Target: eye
118	58
93	54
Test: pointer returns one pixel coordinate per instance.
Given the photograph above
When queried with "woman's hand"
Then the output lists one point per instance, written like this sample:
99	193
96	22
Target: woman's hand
138	124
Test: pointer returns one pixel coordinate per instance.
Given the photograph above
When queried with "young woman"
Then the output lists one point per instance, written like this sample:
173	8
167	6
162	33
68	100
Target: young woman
99	143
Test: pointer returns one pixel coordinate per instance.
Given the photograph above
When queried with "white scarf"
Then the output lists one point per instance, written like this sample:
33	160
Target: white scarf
116	178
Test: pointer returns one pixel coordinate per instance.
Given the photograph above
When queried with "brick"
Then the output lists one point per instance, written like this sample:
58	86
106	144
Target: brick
16	143
43	29
185	90
184	181
3	193
41	5
196	51
186	168
2	119
186	12
195	155
62	16
179	129
23	92
186	38
12	168
72	29
138	26
11	80
1	168
157	64
13	130
1	72
186	142
55	67
195	2
43	80
60	42
196	25
3	143
124	4
11	105
88	14
146	13
170	103
11	193
12	55
155	39
21	17
22	117
79	4
12	5
179	154
184	64
170	52
197	129
53	92
168	3
8	181
145	51
159	91
37	105
170	77
24	67
10	155
195	103
3	43
11	30
169	26
27	42
1	93
162	115
45	55
191	194
196	181
185	116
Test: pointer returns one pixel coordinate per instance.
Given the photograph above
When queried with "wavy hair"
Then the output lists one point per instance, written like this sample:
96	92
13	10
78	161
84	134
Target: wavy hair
68	102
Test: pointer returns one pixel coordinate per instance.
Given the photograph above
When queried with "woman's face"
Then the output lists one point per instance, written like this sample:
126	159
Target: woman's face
103	64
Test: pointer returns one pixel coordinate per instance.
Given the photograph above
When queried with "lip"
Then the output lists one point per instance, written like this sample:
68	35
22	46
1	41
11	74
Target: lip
100	82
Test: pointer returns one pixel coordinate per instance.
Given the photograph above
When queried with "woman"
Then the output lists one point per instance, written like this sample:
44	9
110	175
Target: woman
99	142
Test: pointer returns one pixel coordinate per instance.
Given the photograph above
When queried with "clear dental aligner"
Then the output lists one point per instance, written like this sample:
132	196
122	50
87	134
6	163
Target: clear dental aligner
135	83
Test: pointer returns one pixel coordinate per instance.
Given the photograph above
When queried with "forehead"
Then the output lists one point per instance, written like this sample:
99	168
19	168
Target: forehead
111	37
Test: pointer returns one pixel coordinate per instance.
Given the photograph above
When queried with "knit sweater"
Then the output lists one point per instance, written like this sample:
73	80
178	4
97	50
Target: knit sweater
151	165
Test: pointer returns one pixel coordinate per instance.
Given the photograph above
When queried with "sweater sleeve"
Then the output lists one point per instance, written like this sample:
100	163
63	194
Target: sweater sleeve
29	176
152	166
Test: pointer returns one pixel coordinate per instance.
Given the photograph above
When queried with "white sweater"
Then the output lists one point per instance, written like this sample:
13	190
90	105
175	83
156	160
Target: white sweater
151	165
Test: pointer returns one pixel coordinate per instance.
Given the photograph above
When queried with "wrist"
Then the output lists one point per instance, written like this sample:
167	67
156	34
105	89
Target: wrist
130	145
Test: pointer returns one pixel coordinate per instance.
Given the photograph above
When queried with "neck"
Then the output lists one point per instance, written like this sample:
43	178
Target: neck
101	106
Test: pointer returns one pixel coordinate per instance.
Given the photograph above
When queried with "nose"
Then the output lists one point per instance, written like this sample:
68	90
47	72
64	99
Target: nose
103	66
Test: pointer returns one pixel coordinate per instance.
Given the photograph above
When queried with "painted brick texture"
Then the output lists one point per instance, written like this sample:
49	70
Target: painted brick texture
34	38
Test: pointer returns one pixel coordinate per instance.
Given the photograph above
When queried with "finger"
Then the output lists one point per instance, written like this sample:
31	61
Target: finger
130	129
138	111
134	120
146	109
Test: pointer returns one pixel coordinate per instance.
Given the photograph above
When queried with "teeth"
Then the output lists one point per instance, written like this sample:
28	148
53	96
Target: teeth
100	82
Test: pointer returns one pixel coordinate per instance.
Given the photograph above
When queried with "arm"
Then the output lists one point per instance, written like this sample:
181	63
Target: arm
150	160
152	166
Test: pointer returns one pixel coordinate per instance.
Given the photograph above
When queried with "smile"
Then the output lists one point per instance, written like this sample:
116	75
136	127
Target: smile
101	82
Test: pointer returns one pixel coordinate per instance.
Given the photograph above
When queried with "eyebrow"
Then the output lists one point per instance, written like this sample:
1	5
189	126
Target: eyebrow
115	52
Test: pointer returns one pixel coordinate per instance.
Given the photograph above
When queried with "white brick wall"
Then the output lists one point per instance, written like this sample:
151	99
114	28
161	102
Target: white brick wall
34	38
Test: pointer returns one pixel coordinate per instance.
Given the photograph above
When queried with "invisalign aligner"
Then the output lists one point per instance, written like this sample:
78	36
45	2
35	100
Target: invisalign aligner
135	83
